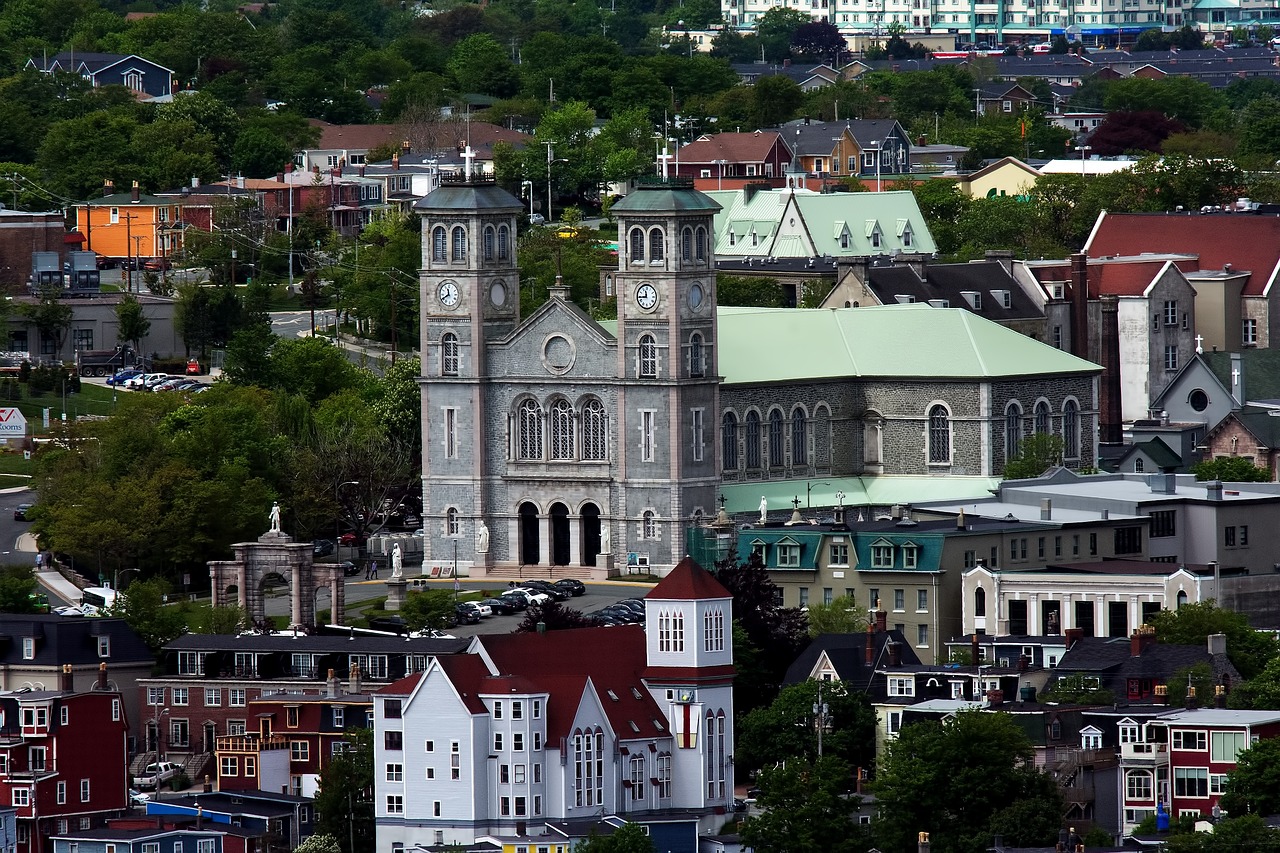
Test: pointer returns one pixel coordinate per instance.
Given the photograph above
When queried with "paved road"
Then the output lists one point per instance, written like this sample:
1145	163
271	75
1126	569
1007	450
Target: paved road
292	324
11	530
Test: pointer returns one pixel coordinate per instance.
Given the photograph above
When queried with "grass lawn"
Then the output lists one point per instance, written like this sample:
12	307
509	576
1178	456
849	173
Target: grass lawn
90	400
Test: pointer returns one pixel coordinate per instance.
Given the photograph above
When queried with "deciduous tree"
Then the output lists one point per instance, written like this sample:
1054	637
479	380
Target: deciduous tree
806	809
787	728
1254	784
1231	469
344	799
842	616
1191	624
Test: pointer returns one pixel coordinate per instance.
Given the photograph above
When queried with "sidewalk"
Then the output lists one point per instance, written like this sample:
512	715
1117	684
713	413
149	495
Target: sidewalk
59	586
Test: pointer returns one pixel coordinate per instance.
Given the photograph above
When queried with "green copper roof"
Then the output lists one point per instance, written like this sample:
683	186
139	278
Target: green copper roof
900	341
883	490
671	196
469	197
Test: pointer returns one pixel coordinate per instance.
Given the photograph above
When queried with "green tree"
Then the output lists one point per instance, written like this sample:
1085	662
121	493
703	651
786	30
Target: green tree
628	838
1262	692
18	589
1077	689
1036	454
144	607
222	619
745	290
1191	624
131	324
481	65
776	99
1231	469
961	780
807	809
1257	130
428	608
1198	675
842	616
787	728
1254	785
1152	39
776	29
319	843
344	798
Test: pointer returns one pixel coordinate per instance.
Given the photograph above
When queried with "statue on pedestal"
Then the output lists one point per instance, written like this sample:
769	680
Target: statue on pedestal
606	538
397	562
482	537
275	517
764	509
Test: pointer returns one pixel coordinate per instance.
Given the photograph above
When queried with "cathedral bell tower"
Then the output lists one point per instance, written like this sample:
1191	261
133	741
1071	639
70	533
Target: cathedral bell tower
469	293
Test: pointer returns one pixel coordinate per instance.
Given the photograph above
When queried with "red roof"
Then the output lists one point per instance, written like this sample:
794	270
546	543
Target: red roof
560	662
1113	278
687	581
403	686
731	147
1245	241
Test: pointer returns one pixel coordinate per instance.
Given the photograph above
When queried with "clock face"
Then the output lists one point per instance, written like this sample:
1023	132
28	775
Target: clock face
695	296
498	293
448	294
646	296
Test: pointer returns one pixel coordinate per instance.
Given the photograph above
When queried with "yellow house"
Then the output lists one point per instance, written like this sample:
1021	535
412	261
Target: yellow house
1009	176
130	225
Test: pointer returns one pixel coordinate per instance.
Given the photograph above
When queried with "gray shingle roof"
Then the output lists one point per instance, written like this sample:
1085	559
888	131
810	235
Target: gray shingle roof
69	641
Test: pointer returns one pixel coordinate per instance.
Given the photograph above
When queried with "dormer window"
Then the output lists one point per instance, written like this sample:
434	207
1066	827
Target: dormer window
910	555
882	554
28	648
788	554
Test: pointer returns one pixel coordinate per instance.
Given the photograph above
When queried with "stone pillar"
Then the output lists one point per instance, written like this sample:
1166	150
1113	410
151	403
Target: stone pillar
296	580
338	610
242	587
575	540
397	591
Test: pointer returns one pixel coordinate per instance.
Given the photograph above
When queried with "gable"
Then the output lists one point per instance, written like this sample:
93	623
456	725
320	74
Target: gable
558	340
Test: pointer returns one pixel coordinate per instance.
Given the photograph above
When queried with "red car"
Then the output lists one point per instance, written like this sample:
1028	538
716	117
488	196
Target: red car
157	264
193	368
346	540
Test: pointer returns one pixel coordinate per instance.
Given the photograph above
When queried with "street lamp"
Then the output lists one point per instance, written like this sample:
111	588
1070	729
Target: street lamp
528	184
155	724
877	150
551	160
808	492
337	496
115	583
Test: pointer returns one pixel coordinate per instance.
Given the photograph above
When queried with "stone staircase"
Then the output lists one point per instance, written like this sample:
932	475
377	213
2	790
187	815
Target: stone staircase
550	573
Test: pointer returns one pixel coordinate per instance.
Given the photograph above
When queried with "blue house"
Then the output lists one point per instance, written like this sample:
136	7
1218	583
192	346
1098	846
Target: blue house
139	75
128	837
290	818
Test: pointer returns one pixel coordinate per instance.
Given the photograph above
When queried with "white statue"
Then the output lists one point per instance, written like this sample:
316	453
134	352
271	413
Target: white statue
764	509
606	539
482	537
275	517
397	562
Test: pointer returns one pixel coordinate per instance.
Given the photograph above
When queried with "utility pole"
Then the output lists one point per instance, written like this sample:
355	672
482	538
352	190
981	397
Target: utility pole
820	716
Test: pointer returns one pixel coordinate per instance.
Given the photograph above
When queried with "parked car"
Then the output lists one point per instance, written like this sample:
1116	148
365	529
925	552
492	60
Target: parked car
140	381
322	547
532	596
169	384
517	601
193	368
348	540
497	605
20	514
537	219
122	376
556	593
349	569
156	380
155	775
394	624
465	614
138	798
573	586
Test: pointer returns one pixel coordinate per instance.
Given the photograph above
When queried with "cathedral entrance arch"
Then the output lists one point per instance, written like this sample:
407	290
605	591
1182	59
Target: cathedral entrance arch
559	534
530	543
275	561
590	534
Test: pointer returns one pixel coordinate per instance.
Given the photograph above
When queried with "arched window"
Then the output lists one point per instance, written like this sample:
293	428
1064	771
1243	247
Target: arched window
561	429
799	437
686	245
939	435
451	525
656	244
449	354
713	631
648	357
1012	430
753	439
697	367
637	245
594	431
459	243
700	243
529	416
489	240
1043	423
729	440
1071	430
649	525
504	243
439	244
777	443
979	602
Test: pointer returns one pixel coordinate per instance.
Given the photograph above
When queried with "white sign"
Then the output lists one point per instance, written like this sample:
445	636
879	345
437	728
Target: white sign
12	422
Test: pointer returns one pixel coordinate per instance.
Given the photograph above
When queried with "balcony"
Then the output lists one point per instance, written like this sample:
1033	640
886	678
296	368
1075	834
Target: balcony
1144	753
250	743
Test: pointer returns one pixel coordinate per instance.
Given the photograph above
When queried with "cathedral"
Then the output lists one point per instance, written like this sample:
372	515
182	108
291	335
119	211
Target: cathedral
556	440
549	440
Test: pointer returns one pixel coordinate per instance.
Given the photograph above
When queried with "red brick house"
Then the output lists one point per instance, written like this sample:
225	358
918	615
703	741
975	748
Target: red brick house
294	738
731	160
63	760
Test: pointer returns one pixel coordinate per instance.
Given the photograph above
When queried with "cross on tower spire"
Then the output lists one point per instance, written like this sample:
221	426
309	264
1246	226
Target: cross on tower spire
468	159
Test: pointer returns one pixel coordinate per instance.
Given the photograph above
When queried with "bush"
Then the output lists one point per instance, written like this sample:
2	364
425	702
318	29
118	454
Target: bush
180	782
10	389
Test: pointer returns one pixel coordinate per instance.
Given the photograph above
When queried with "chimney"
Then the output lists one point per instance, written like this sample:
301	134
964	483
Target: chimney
1073	635
1217	644
199	816
960	519
1046	509
1106	513
1237	378
871	644
134	194
353	682
560	291
361	170
1024	663
108	186
395	162
882	618
333	685
1213	490
1192	702
922	141
1219	696
195	181
239	182
405	147
279	177
1141	640
1162	694
895	654
102	676
1164	483
1111	413
995	698
1079	295
975	652
922	843
65	679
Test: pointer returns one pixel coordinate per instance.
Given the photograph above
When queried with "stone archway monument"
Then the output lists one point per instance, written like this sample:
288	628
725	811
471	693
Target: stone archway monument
239	581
